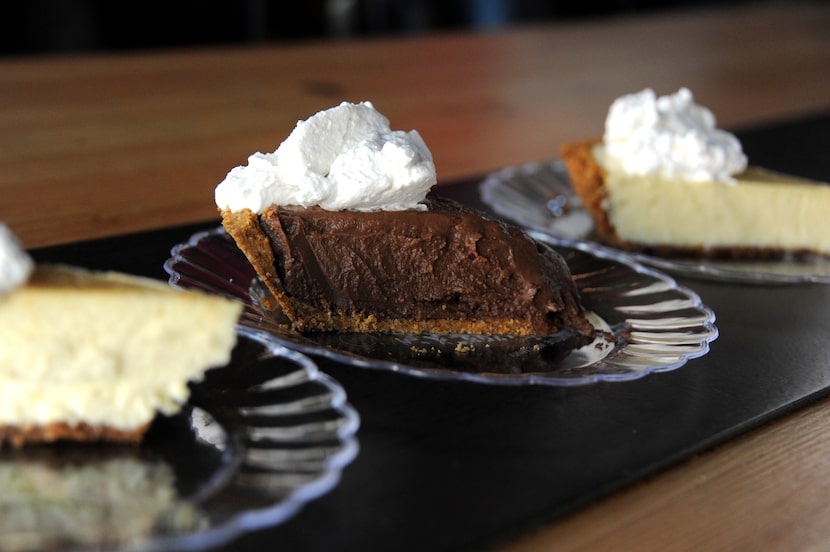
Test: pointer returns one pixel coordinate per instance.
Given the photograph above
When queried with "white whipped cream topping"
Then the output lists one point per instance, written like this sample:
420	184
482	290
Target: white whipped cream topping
15	263
669	137
346	157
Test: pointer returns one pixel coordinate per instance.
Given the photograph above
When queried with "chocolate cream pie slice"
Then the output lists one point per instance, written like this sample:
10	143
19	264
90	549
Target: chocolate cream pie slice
664	180
337	224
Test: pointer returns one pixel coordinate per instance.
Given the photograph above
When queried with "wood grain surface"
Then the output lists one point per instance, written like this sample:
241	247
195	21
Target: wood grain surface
101	145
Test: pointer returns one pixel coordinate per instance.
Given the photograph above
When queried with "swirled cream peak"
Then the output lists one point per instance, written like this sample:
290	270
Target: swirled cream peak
346	157
669	137
15	263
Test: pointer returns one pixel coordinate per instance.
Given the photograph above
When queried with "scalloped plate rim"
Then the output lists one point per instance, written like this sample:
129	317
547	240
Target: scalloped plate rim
269	516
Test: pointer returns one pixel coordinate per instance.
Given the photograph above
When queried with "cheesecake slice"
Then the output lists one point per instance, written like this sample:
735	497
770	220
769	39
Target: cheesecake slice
762	214
664	179
445	269
94	356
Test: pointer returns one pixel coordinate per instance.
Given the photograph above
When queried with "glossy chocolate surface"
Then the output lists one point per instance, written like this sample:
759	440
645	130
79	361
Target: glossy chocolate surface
446	262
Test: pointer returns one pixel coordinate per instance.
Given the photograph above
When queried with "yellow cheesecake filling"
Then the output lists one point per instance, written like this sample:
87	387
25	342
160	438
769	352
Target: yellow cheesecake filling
762	209
105	349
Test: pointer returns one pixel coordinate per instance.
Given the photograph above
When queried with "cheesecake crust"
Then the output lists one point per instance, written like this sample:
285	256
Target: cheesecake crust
588	181
22	435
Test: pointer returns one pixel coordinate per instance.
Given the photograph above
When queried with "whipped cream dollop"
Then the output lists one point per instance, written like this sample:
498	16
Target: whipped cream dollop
669	137
346	157
15	263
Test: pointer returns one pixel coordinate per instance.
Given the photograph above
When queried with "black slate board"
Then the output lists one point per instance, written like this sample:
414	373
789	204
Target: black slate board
460	466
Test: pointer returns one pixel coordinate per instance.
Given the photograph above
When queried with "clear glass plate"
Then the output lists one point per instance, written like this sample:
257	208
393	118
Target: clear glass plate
647	323
539	196
258	439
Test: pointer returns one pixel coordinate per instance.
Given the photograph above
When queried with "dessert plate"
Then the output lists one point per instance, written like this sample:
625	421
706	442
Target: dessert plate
646	323
539	196
259	438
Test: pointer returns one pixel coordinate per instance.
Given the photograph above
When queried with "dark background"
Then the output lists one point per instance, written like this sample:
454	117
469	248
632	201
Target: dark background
38	27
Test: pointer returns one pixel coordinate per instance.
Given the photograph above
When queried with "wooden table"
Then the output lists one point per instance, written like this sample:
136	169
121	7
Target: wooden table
102	145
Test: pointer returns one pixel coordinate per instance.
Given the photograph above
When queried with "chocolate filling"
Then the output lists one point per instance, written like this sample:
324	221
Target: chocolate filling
445	263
